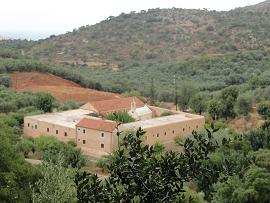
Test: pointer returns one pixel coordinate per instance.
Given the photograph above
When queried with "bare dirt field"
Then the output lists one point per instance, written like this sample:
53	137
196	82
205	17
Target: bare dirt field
61	89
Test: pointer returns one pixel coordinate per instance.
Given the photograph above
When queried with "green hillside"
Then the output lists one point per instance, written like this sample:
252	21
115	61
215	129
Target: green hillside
250	71
208	49
216	64
160	35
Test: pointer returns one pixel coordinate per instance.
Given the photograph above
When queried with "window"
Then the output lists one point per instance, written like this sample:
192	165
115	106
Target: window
158	135
83	131
48	129
56	132
83	141
65	134
102	134
28	124
35	126
173	132
102	145
165	133
183	129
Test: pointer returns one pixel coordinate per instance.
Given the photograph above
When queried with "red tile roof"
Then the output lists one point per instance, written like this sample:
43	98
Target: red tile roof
119	104
96	124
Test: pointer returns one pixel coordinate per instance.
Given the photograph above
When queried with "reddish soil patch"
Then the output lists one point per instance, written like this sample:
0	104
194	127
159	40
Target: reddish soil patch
60	88
22	80
245	124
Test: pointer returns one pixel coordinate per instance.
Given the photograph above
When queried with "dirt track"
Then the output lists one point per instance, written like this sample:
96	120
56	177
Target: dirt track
60	88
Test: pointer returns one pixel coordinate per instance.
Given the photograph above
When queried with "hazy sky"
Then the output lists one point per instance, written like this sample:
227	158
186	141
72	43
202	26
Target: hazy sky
41	18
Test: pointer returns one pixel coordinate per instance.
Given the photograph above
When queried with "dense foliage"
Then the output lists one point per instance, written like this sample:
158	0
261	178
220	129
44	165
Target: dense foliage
56	184
224	166
50	149
16	176
120	117
220	166
11	101
44	102
5	81
208	75
137	174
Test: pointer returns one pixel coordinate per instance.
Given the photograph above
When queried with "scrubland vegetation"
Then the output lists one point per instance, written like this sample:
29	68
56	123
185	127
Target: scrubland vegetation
20	181
159	35
214	165
212	63
200	84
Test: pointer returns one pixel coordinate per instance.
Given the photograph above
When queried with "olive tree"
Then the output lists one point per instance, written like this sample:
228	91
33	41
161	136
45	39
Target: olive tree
243	105
137	175
45	102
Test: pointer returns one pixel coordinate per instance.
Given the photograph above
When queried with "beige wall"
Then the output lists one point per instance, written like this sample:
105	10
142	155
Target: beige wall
143	117
168	132
93	139
37	128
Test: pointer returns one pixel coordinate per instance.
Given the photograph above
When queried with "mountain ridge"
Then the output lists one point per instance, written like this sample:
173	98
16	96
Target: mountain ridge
159	35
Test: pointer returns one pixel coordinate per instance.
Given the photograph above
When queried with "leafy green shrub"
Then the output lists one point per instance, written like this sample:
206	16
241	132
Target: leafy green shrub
264	109
186	92
51	149
220	125
56	183
44	102
25	146
5	80
6	107
198	103
105	162
16	175
214	108
228	99
243	105
67	105
193	196
120	116
259	139
253	187
261	158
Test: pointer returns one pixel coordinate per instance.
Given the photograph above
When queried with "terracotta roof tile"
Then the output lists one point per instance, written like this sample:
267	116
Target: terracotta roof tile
95	124
111	105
